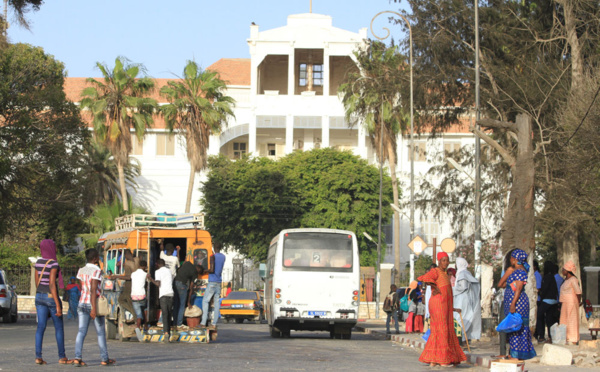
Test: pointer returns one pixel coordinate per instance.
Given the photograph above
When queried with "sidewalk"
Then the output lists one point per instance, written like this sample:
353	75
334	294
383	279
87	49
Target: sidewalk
481	351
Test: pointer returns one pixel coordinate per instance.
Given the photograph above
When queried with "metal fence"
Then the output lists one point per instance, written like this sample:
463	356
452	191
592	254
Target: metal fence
21	277
243	277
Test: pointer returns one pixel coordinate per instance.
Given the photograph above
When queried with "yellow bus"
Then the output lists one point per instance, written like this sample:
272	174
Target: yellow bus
145	236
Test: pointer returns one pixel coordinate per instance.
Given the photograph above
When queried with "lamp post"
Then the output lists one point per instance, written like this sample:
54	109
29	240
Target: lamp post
412	166
477	244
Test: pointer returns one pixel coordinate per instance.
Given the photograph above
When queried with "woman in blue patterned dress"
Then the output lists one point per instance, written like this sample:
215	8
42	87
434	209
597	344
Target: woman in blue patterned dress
515	300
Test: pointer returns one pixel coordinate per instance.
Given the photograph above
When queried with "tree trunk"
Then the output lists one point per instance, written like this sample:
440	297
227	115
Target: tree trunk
123	187
188	202
392	163
571	250
593	249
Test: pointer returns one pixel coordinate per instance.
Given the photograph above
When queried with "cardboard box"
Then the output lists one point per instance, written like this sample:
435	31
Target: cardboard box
507	366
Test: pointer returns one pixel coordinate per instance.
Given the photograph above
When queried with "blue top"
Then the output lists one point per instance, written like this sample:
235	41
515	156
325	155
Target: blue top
219	263
559	282
538	283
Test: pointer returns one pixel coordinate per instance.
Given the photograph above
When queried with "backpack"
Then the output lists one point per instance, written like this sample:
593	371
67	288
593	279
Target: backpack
388	304
404	303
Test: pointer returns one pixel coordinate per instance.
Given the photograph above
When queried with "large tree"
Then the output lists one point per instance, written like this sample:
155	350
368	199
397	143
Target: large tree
371	97
249	201
198	108
41	142
119	103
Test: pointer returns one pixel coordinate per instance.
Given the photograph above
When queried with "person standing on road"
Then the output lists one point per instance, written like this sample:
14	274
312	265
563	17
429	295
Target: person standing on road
539	325
90	277
129	267
517	301
548	310
412	307
442	347
138	296
73	294
390	307
570	299
184	287
467	299
47	301
164	282
213	289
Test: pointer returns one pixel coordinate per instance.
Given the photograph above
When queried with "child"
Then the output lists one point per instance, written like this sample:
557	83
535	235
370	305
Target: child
74	293
90	277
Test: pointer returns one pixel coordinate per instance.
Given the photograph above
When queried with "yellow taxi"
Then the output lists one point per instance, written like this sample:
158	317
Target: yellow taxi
240	305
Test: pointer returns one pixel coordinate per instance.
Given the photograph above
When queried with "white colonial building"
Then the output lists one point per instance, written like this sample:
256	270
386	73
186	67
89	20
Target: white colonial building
287	100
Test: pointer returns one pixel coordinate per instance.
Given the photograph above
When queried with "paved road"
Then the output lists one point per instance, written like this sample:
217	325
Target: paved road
239	347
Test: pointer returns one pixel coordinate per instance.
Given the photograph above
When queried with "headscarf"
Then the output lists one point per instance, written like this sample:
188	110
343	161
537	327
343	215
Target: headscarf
441	255
48	251
412	286
461	265
451	271
521	258
570	266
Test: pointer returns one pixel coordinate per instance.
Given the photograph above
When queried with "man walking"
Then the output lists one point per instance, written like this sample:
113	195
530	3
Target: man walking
213	289
390	306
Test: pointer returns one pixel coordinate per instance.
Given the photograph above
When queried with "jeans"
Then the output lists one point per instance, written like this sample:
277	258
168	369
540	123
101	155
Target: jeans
84	310
212	289
166	307
392	315
45	307
181	293
139	307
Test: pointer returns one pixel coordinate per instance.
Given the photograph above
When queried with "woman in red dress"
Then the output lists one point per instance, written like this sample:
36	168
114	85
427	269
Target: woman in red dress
442	347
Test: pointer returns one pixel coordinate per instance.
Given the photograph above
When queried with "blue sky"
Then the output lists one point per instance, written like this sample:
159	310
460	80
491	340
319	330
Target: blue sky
163	35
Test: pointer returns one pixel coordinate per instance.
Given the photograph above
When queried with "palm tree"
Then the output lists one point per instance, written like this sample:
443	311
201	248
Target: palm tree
119	103
101	176
198	108
372	95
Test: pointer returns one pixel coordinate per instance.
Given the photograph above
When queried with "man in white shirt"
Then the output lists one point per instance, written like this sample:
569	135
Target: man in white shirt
138	295
171	261
164	282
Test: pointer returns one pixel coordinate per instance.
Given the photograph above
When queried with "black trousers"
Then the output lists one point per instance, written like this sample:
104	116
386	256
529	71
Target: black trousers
166	306
540	322
550	314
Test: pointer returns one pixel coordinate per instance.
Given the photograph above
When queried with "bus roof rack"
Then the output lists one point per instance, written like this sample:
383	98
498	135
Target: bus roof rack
159	220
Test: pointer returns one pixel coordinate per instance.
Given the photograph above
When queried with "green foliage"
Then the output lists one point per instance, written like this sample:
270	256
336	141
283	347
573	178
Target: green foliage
41	142
16	254
249	201
422	264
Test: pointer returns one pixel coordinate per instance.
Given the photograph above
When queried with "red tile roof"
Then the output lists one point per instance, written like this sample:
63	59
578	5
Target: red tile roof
235	71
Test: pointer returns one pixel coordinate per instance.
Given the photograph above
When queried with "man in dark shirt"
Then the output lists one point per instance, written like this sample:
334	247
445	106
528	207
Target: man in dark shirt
184	280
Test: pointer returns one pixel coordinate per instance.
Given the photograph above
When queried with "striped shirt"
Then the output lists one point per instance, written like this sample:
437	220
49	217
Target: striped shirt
85	275
44	286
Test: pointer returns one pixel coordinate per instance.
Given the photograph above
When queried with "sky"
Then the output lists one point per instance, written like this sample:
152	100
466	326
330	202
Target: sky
163	35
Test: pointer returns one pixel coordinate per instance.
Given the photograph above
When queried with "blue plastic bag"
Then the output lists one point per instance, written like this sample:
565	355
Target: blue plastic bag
512	323
425	336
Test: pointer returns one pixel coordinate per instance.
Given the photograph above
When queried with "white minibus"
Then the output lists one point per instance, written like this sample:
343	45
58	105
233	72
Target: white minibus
312	282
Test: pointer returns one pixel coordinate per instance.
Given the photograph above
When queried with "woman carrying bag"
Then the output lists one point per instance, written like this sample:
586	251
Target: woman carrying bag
47	301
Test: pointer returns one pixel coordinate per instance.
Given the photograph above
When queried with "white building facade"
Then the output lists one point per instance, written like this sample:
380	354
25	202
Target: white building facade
286	100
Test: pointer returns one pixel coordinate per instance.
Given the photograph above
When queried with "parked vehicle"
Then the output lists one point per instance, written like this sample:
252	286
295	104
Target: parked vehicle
240	305
312	282
144	235
8	300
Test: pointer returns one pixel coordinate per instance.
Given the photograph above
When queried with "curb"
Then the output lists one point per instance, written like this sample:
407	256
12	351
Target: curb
473	359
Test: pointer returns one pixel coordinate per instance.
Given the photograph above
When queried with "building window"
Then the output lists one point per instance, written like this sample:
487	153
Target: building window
239	149
420	151
137	146
450	148
271	151
317	75
431	229
165	144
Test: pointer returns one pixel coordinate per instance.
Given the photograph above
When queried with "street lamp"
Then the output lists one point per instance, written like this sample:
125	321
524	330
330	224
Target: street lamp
412	152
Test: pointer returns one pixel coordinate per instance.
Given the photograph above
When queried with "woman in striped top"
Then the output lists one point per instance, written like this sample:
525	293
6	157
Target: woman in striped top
47	301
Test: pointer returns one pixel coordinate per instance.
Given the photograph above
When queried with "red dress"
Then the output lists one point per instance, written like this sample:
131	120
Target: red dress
442	346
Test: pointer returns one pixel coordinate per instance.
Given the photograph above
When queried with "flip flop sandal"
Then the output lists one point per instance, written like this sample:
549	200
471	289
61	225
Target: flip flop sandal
79	363
107	363
40	361
65	361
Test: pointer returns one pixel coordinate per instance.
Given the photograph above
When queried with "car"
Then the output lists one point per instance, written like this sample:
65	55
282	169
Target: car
240	305
8	300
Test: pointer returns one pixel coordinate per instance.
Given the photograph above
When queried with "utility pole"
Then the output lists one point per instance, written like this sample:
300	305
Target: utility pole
477	245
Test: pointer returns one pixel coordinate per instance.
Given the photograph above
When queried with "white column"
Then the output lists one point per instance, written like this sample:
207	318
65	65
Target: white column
326	70
252	150
289	134
291	70
325	131
214	144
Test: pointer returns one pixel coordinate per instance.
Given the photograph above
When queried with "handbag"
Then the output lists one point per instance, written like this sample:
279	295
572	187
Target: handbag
512	323
102	308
